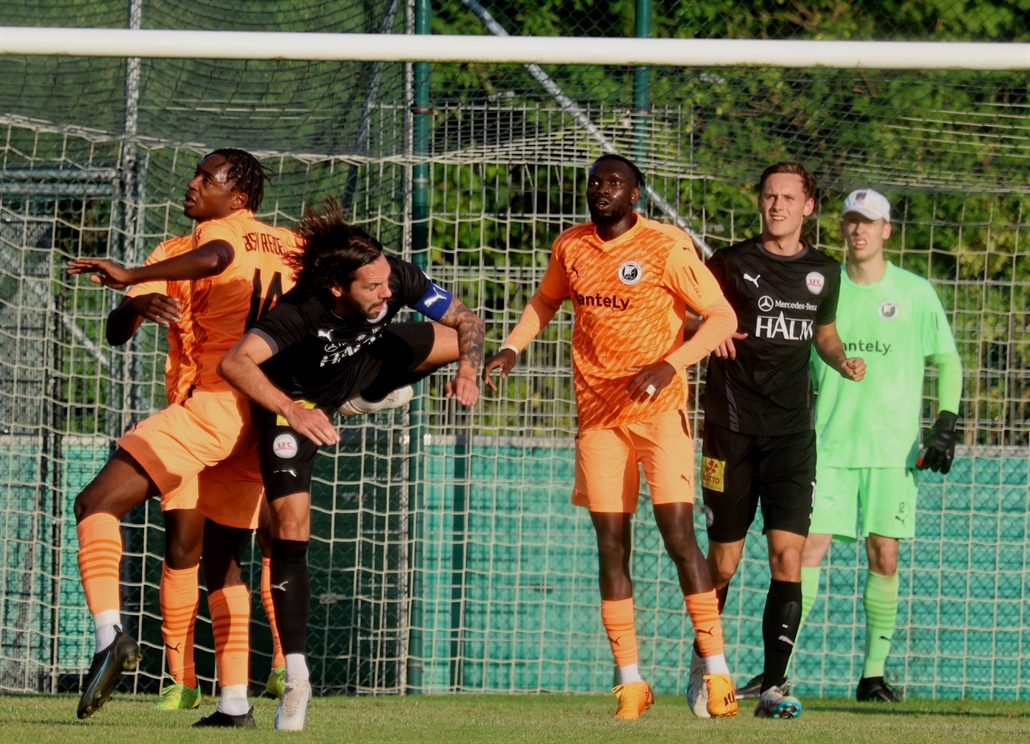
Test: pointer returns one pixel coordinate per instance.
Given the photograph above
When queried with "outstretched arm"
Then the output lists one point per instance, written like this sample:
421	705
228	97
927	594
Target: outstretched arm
554	288
239	367
471	331
831	350
538	313
125	319
209	259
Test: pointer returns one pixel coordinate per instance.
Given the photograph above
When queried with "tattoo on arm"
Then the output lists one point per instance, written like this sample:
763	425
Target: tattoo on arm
471	333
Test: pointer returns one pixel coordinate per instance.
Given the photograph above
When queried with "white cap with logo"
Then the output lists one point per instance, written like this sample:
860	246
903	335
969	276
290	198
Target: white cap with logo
868	203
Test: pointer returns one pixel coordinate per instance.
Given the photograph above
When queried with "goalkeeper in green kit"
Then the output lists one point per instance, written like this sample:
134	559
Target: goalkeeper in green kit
867	436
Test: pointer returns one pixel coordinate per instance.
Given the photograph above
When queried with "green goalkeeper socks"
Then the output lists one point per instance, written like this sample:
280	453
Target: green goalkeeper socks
881	609
809	593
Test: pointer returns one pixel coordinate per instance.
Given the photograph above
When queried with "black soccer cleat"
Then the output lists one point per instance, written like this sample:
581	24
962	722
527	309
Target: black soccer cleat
874	689
107	666
752	690
224	720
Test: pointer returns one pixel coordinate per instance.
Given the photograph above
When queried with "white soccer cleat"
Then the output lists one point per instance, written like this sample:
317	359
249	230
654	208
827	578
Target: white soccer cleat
396	399
774	704
292	713
697	689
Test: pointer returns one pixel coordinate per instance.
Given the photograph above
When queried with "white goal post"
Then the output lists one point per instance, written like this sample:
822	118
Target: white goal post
110	42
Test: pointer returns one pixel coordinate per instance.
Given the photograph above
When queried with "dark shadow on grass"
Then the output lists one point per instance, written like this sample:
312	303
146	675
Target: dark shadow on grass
906	708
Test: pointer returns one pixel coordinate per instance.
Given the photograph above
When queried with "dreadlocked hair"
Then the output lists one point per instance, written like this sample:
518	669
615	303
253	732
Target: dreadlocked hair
247	175
333	249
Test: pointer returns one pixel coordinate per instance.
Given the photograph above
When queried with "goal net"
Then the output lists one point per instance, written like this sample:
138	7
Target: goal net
445	553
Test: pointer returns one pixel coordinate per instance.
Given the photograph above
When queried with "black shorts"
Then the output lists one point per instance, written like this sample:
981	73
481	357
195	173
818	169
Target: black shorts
287	457
739	470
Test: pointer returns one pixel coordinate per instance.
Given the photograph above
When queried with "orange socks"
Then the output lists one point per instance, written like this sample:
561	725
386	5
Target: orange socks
704	614
180	598
230	622
617	616
100	553
278	659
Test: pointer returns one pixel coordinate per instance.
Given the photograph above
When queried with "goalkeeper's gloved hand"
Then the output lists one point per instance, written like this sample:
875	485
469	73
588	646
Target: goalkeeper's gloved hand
939	444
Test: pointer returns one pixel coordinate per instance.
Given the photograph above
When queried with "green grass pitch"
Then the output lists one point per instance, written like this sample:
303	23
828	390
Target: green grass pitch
519	718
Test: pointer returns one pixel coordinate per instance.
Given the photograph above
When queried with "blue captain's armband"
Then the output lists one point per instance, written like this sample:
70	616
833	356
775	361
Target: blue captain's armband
435	302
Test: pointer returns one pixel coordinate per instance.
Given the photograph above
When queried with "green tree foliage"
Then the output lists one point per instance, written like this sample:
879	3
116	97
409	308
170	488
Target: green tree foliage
947	147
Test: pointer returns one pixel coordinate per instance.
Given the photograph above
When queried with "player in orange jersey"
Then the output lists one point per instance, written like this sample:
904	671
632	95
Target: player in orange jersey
236	273
631	281
168	304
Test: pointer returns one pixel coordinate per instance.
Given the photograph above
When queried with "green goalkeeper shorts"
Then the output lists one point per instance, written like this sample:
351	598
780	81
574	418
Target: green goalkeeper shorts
884	499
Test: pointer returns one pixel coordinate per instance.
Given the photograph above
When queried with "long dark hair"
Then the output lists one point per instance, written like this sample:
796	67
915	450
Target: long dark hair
333	249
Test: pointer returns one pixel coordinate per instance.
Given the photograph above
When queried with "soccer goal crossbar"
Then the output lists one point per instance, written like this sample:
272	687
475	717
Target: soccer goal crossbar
109	42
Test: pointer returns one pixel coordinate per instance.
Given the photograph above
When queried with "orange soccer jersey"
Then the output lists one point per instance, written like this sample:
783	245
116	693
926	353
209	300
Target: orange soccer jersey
179	371
629	297
224	306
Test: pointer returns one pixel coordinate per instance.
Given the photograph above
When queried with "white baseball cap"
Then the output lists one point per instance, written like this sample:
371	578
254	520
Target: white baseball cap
868	203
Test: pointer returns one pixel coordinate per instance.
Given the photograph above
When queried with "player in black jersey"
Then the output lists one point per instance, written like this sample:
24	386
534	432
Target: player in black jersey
327	340
759	442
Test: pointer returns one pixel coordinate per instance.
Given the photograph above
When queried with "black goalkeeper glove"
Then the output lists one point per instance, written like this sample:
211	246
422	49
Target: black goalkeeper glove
939	444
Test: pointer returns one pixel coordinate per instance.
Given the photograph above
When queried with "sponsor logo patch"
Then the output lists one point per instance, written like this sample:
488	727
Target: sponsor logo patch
285	446
630	273
713	474
789	329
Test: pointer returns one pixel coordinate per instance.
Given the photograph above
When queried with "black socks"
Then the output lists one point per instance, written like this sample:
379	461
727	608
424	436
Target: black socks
779	629
291	593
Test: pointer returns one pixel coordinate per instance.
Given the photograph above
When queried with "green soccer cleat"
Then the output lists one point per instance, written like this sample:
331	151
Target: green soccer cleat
104	671
178	697
276	685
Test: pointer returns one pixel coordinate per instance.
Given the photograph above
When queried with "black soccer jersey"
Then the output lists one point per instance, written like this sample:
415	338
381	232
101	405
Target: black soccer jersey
779	300
317	354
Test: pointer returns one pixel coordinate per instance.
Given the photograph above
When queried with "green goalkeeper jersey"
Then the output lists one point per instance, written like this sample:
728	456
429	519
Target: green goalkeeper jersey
893	325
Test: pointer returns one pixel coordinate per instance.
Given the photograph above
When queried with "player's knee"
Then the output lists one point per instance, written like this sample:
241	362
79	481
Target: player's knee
885	565
181	551
722	573
80	508
682	548
89	502
723	565
785	564
291	529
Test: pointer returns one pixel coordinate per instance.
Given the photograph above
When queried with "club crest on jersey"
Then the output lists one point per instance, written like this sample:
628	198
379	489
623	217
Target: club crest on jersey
630	273
285	446
815	282
888	310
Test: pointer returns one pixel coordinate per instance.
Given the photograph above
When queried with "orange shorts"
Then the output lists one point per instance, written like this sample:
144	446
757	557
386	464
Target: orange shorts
228	493
607	475
177	445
